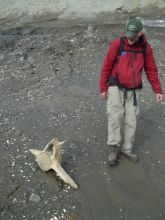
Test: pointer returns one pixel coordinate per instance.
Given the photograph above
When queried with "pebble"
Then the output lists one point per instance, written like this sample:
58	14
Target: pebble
34	197
72	216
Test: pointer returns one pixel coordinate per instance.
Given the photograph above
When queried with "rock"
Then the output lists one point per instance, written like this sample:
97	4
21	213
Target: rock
57	69
22	156
31	72
72	216
34	197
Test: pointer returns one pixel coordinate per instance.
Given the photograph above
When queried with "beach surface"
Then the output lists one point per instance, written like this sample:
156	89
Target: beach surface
49	87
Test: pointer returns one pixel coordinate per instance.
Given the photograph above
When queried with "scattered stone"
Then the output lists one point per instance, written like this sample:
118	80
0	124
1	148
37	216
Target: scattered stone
34	197
22	156
31	72
72	216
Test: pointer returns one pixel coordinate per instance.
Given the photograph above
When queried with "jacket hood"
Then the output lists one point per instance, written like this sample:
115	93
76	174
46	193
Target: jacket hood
142	39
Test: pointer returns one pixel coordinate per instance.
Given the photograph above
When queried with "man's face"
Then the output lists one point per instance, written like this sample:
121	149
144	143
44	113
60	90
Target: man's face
134	40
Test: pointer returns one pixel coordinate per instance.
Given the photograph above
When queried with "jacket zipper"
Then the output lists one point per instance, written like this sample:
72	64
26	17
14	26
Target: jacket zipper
133	69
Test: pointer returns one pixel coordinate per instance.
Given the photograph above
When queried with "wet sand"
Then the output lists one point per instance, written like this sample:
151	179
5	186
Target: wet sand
50	89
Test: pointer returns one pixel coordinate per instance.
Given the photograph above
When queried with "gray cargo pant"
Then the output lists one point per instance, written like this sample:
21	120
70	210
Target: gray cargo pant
117	108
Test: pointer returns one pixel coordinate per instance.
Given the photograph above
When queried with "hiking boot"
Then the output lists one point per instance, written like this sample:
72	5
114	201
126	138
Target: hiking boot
112	159
133	157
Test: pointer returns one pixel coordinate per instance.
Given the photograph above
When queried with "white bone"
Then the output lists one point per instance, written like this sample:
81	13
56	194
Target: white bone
50	158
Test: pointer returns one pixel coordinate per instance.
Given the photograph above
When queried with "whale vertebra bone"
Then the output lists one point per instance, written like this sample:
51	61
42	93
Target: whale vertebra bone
50	158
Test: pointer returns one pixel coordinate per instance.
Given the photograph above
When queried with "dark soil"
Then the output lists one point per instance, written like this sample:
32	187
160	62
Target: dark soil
49	89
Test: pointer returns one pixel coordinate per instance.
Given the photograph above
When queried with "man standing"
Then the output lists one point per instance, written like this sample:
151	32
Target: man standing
121	84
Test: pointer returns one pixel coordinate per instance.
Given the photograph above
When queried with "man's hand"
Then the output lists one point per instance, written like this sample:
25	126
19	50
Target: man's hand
159	97
104	95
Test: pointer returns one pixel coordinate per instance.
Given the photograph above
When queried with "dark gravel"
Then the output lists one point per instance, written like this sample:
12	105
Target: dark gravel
49	89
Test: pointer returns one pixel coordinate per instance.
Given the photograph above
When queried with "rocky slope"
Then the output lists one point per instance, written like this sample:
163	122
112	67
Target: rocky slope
29	11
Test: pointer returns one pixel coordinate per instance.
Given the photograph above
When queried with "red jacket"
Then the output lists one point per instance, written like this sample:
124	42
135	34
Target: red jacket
128	74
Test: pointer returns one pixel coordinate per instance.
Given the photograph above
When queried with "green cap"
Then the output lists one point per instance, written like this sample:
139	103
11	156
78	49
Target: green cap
133	28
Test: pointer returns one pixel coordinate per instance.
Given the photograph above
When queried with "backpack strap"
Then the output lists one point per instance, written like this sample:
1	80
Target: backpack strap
144	47
121	48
